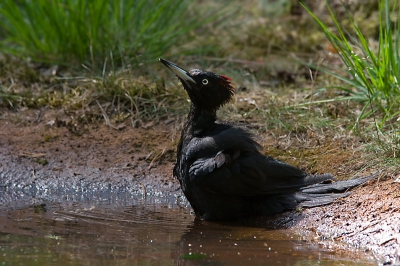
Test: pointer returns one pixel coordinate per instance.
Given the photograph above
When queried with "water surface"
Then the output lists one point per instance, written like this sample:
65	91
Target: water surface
125	229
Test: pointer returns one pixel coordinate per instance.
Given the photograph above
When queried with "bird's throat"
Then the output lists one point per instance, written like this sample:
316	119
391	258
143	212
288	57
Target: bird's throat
199	120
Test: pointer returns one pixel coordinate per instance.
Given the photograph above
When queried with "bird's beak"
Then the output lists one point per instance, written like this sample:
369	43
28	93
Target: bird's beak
180	72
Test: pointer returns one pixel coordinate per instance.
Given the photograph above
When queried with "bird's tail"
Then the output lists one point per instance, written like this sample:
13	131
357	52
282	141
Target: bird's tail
325	193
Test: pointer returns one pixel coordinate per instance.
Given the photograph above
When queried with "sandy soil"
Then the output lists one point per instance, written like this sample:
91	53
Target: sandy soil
44	150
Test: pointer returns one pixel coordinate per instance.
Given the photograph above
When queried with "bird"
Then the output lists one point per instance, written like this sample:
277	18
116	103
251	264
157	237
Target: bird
221	167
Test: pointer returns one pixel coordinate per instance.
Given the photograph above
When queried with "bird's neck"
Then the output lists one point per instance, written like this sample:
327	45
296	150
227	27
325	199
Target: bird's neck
199	120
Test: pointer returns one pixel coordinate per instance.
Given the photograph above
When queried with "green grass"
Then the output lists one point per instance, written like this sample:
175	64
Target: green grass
112	41
99	34
371	75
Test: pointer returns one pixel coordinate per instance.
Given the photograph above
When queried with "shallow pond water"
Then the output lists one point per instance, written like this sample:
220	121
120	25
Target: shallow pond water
127	229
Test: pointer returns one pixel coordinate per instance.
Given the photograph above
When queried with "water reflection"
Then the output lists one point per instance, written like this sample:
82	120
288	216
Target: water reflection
151	231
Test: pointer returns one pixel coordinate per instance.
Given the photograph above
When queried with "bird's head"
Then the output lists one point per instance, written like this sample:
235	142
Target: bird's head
207	90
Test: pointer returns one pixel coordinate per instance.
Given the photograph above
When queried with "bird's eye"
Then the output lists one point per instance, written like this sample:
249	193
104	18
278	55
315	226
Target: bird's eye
204	81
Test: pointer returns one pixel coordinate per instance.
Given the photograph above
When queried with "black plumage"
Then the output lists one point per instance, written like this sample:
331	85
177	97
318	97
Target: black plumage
222	170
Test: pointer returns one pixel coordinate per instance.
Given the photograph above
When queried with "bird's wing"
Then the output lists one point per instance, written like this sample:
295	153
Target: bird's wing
231	163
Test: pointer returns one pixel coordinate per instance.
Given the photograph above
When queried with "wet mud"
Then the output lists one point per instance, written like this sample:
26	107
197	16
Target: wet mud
369	219
46	159
43	160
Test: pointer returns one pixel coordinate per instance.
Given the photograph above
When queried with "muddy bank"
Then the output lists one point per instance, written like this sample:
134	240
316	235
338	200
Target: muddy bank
49	160
48	157
368	219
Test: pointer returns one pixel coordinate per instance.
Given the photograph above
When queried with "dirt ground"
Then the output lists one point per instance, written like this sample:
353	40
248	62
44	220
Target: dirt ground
45	150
